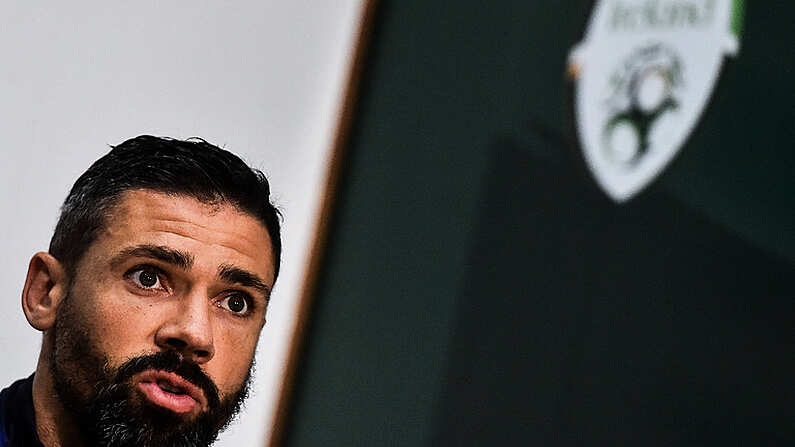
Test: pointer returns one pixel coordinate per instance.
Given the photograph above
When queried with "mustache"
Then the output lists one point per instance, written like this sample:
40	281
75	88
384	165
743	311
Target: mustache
171	361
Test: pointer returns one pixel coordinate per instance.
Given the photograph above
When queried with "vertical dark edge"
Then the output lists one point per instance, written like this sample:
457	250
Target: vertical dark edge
328	200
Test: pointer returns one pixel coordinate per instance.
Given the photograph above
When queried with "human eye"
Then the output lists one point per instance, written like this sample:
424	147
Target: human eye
146	277
237	302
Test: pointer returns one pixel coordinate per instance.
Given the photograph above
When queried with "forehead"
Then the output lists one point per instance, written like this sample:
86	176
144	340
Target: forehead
219	232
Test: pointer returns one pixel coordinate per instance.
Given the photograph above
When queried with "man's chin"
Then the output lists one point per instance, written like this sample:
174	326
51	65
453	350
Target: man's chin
129	419
123	414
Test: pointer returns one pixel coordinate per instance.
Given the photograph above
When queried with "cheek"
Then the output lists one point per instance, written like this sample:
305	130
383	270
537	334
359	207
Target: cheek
123	329
232	360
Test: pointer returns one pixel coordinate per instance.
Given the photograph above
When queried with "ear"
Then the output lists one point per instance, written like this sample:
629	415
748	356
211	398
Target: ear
45	287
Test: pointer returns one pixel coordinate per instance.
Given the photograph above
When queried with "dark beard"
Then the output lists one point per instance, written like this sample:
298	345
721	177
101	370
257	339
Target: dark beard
114	414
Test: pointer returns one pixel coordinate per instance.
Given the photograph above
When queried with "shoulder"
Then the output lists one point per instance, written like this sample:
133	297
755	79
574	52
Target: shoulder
19	389
14	402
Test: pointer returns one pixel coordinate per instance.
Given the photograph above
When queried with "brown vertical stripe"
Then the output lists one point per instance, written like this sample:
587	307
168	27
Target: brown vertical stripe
317	252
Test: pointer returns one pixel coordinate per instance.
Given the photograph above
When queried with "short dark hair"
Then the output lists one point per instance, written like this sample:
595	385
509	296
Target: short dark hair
193	167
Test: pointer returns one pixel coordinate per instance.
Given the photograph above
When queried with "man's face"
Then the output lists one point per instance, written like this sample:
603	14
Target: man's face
164	313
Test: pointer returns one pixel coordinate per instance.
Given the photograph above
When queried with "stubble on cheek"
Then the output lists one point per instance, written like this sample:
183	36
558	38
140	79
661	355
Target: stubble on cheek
76	365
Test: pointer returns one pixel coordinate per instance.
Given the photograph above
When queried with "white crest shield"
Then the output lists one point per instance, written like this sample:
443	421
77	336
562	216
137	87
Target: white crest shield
643	75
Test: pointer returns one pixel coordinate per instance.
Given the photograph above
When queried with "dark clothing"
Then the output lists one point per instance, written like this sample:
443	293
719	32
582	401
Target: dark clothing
17	417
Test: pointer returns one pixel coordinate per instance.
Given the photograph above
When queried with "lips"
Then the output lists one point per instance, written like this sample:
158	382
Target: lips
170	391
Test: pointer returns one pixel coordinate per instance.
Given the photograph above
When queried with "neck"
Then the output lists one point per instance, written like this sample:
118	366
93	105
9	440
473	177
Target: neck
55	426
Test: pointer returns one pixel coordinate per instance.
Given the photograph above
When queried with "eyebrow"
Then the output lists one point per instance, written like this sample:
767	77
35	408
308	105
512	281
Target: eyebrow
236	275
159	252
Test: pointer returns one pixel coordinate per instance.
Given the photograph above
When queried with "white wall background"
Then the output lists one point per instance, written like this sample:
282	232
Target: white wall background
262	78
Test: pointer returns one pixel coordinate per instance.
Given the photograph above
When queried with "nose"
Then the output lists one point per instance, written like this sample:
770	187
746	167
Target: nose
189	330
